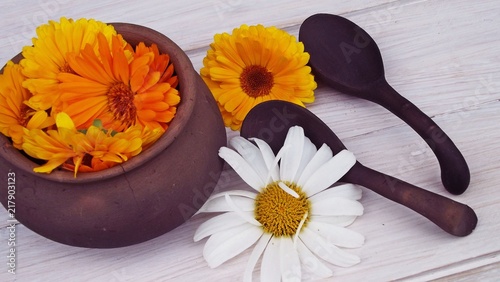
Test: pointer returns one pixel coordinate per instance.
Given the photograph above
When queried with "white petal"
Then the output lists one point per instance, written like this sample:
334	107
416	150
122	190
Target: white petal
299	228
217	224
269	270
290	161
268	156
337	235
307	154
246	216
320	158
346	191
254	257
227	244
252	156
311	263
242	193
289	261
335	206
244	170
218	203
329	173
326	251
342	220
278	157
288	190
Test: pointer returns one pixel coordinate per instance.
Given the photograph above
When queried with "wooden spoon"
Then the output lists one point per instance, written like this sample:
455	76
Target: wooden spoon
270	122
345	57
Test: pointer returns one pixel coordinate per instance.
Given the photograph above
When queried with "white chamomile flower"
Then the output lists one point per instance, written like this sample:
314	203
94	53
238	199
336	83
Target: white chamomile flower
292	218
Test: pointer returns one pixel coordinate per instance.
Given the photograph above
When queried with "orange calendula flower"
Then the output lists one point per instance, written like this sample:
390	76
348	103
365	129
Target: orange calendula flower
92	149
48	56
160	69
256	64
111	150
120	91
83	99
14	113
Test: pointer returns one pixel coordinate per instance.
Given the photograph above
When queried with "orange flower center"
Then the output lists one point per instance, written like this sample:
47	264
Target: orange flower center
256	81
25	114
66	69
121	103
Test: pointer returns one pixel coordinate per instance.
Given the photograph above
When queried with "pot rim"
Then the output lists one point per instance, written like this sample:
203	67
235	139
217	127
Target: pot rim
187	90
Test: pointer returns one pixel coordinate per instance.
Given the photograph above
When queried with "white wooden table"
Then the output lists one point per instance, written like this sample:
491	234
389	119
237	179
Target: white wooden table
444	56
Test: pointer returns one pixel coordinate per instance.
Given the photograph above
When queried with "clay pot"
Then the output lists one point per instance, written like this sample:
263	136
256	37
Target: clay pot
143	198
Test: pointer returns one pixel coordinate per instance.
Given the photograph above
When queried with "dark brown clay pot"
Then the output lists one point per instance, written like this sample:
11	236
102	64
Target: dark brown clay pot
144	197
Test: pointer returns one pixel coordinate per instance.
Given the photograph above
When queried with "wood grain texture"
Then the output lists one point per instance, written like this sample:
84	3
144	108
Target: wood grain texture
444	56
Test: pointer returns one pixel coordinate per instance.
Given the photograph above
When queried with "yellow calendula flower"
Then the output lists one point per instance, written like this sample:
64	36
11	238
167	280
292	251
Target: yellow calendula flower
14	113
115	148
120	91
149	136
256	64
48	56
52	146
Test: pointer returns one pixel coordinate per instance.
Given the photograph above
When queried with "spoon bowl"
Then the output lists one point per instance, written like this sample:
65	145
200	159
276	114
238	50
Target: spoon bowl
347	58
270	122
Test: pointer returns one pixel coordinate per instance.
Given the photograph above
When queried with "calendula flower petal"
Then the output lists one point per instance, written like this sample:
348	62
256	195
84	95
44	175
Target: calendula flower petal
50	147
49	166
40	120
15	113
254	64
48	56
64	121
126	88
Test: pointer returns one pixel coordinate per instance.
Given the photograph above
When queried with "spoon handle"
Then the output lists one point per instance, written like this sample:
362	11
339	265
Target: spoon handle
455	173
453	217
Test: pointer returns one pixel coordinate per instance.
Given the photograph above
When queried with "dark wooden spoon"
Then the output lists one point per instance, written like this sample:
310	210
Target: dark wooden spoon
270	122
345	57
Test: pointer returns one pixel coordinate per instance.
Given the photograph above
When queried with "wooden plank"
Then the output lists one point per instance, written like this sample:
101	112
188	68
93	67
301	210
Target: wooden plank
443	56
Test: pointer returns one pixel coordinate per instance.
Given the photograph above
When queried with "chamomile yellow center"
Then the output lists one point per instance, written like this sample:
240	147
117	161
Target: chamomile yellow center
280	212
256	81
